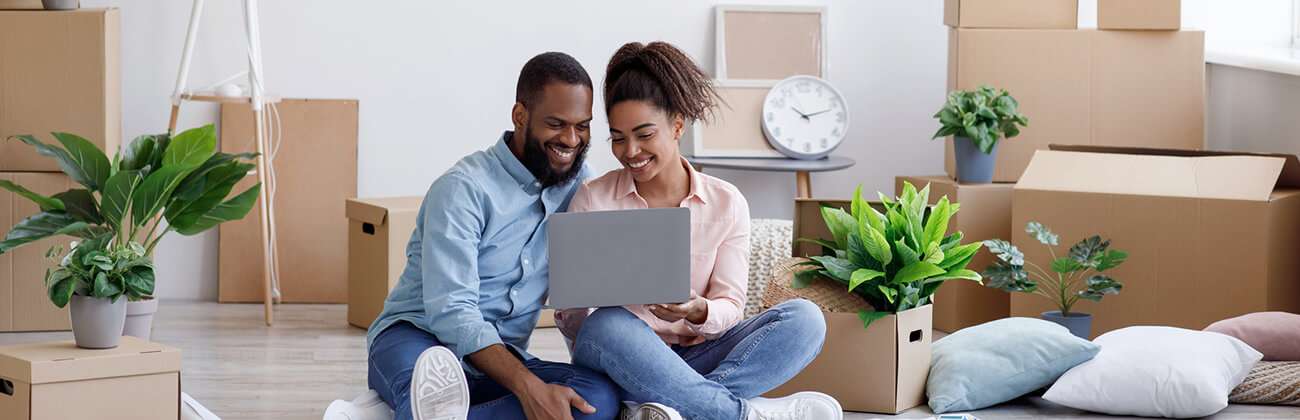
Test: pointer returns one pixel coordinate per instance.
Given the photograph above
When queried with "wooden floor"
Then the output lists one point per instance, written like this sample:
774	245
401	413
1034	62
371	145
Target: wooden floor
240	369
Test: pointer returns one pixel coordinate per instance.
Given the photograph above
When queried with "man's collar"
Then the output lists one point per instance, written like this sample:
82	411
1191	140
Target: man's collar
513	166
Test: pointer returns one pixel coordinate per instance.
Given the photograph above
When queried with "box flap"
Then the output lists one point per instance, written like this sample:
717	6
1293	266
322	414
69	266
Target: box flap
1231	176
375	210
1290	176
63	361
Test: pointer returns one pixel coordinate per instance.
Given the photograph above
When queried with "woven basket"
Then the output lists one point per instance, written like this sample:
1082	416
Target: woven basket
1270	383
826	294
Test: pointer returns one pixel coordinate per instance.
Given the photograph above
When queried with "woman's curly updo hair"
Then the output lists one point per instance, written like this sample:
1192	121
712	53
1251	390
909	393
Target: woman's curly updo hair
663	75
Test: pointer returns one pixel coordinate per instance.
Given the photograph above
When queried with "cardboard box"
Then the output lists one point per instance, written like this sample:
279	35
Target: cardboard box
378	232
59	71
24	303
1210	235
1157	15
1011	14
985	214
1106	88
21	5
138	380
808	223
316	171
880	369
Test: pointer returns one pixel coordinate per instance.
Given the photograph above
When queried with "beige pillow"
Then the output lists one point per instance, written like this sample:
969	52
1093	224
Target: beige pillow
1275	334
1270	383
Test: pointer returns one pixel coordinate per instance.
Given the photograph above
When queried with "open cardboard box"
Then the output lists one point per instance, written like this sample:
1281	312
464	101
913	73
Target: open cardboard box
138	380
879	369
1210	235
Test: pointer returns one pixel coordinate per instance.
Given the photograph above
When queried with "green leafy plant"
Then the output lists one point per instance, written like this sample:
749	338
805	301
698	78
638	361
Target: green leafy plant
1078	275
156	185
894	260
983	115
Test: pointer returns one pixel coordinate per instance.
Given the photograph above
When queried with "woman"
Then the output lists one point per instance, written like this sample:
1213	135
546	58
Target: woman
698	357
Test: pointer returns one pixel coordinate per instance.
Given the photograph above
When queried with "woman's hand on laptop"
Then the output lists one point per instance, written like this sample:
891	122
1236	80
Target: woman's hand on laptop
695	310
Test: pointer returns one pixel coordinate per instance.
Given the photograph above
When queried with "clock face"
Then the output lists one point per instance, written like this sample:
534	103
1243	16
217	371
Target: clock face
805	117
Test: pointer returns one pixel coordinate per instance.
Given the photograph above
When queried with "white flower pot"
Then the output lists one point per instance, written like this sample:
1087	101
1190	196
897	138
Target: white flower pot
139	318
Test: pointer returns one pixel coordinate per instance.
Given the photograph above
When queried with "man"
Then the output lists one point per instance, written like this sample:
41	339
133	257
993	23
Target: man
450	341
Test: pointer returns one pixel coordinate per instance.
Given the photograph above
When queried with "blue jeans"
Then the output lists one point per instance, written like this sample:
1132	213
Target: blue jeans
393	355
711	380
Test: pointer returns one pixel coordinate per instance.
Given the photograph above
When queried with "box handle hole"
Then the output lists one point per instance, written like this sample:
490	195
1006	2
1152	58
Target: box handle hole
6	387
914	336
368	228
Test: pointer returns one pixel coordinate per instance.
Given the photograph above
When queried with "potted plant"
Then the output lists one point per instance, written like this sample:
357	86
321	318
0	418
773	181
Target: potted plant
894	260
977	120
158	184
1078	275
894	255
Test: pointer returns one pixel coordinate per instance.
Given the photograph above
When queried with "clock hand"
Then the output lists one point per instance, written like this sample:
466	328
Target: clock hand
818	112
797	111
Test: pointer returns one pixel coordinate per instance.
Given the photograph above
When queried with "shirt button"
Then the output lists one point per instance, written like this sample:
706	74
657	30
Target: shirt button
514	293
526	261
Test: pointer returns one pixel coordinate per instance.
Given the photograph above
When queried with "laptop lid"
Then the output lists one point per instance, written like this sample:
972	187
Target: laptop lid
621	257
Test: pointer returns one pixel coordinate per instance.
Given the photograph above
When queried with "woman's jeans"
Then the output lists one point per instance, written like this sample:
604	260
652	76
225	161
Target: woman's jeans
711	380
395	350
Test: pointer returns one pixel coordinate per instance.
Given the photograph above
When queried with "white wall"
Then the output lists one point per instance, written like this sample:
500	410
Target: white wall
436	78
436	81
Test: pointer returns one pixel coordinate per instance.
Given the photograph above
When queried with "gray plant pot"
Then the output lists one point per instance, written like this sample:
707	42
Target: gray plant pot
61	4
139	318
1079	324
973	166
97	323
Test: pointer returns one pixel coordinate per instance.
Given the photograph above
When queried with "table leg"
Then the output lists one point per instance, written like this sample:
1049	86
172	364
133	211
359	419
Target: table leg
803	184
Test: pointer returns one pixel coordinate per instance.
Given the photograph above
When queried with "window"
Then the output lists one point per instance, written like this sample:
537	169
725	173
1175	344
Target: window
1295	28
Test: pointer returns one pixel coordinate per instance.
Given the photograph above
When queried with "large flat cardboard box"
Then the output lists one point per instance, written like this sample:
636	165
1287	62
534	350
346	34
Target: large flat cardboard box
138	380
1159	15
1210	235
316	171
24	303
378	231
880	369
59	71
1087	87
985	214
1011	14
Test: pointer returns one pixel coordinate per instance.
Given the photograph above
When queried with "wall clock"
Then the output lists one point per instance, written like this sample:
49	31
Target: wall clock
804	117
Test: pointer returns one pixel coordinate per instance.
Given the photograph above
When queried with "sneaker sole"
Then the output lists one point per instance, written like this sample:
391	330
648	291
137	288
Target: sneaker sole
649	412
439	390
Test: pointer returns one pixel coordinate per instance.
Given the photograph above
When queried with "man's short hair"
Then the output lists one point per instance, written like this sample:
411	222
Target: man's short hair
546	68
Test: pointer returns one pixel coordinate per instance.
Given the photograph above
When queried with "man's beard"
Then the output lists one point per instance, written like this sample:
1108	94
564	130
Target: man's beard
539	162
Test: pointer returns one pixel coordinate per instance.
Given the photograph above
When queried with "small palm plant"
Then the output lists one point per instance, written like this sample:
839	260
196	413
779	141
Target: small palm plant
1078	275
894	260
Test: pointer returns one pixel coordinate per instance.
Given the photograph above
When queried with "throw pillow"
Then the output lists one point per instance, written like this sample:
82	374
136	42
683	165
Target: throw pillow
999	361
1275	334
1270	383
1157	372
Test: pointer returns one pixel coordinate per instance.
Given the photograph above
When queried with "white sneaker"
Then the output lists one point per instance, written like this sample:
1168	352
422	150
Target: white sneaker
648	411
367	406
439	390
800	406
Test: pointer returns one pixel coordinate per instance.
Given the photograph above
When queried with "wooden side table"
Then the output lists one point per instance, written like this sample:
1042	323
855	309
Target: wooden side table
801	168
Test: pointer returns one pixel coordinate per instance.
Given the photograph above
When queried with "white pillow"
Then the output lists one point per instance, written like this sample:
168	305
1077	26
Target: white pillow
1157	372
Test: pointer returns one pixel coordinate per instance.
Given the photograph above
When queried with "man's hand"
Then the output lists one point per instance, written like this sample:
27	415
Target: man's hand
695	310
543	401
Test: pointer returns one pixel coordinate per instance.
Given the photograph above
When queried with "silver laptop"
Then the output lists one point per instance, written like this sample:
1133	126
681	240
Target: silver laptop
622	257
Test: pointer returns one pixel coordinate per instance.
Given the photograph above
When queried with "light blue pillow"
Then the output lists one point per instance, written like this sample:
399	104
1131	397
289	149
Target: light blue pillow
999	361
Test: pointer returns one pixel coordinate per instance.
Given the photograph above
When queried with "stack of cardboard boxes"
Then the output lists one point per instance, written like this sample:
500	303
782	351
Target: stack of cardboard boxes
59	71
1138	87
